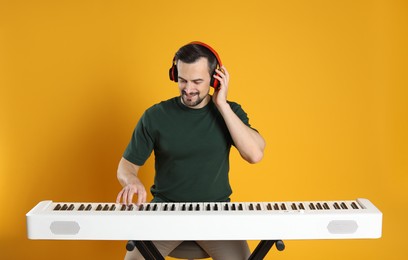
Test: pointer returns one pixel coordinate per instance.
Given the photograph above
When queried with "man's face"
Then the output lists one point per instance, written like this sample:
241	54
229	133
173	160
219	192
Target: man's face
194	83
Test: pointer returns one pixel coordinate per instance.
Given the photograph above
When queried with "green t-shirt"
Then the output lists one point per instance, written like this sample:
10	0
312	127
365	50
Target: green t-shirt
191	148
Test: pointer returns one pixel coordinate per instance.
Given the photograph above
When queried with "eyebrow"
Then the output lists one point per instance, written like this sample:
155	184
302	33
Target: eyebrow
194	80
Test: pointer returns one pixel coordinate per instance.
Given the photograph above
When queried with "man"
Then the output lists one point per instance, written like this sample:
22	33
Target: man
191	136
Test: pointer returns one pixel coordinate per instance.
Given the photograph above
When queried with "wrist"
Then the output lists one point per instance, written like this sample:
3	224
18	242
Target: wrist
223	106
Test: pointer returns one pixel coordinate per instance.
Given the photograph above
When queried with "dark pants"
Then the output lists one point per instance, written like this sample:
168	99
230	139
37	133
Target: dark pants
218	250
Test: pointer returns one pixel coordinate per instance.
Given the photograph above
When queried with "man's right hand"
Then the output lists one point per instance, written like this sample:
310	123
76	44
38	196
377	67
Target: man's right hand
126	194
127	176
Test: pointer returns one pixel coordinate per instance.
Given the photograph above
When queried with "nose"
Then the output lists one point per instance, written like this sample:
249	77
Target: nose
188	87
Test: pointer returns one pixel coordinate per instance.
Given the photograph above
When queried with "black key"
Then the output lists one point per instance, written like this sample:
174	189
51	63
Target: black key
123	207
269	206
165	208
343	205
216	207
208	208
190	207
325	206
106	207
226	207
354	205
89	207
276	206
294	206
64	207
197	208
99	207
81	207
71	207
233	207
336	206
148	207
311	206
58	207
183	208
140	208
155	207
251	206
240	207
173	207
319	206
113	207
301	206
131	207
283	206
258	207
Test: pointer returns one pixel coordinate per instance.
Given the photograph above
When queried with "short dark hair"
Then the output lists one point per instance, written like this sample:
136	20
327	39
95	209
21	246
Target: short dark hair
191	52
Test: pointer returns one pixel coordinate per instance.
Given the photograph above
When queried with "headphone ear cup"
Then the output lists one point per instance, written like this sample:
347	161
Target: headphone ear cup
214	82
173	73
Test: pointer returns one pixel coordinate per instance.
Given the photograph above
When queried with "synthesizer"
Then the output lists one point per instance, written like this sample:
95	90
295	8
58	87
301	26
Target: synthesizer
348	219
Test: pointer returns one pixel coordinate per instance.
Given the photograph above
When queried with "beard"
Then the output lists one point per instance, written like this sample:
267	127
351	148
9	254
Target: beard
193	99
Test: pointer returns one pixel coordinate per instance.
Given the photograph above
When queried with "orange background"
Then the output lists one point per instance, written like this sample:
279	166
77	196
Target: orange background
325	82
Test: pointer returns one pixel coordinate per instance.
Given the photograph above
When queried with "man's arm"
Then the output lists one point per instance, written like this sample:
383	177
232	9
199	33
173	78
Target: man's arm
127	176
249	142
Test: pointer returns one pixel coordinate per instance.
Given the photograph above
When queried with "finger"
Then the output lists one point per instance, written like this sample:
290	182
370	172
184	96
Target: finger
223	75
220	71
141	197
223	81
225	71
130	196
144	196
119	197
219	74
125	196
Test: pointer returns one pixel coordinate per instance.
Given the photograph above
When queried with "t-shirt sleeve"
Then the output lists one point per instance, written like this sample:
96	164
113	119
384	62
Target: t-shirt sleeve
239	111
141	144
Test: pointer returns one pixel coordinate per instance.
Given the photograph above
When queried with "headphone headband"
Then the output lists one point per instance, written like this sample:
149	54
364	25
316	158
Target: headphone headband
211	49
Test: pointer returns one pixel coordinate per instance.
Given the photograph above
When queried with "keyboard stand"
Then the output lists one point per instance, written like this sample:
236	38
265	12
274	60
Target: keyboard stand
263	248
150	252
146	248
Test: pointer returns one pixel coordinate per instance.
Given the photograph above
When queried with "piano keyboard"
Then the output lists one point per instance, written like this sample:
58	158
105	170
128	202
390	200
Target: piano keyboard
352	219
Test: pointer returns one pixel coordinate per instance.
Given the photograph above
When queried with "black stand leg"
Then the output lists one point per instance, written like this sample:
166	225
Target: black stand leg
280	245
146	248
263	248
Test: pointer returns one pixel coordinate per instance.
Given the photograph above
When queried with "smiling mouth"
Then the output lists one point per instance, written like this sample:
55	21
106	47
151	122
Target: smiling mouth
190	95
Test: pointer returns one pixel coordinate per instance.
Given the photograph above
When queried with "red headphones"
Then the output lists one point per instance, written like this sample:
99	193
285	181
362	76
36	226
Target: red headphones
173	73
